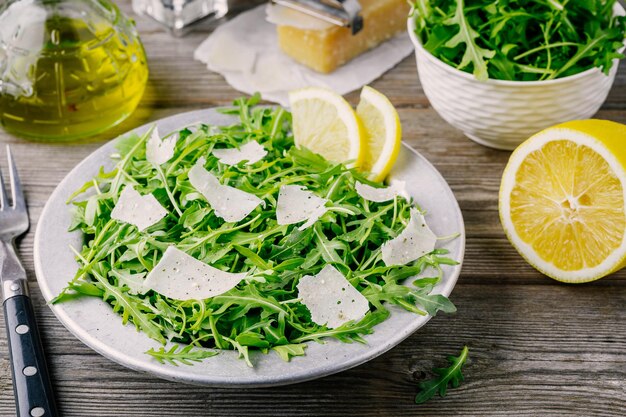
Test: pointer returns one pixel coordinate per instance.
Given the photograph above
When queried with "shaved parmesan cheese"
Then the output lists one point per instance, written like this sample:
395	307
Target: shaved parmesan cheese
183	277
296	204
315	215
415	241
139	210
331	299
378	195
160	151
400	186
229	203
251	152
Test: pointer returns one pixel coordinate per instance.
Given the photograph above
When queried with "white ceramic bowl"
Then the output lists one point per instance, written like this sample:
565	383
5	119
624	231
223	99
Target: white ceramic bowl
502	114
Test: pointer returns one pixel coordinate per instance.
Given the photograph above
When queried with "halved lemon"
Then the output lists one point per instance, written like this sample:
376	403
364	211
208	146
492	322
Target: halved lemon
325	123
563	200
383	133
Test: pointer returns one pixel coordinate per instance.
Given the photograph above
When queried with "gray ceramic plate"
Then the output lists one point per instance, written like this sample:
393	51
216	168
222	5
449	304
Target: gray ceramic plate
95	324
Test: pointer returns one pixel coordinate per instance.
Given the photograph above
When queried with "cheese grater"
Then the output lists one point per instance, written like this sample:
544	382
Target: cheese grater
179	16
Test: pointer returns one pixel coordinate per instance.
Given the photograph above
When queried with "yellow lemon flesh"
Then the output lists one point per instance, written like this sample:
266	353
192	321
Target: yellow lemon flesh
325	123
383	133
563	198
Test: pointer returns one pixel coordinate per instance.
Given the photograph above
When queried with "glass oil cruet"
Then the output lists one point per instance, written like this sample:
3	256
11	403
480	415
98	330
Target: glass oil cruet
68	68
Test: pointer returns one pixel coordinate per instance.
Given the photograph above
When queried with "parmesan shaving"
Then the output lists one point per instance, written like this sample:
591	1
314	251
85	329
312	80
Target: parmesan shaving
415	241
400	186
251	152
183	277
379	195
229	203
296	204
139	210
160	151
331	299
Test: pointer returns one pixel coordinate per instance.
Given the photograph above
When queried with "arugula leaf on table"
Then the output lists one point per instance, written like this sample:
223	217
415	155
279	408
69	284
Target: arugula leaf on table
451	376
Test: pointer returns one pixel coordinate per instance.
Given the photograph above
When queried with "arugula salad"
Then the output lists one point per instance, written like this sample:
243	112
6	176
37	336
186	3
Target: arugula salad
232	238
521	40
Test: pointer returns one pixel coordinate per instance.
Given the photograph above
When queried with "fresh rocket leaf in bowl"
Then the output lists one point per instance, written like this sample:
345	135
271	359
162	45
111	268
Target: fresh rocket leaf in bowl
521	40
151	265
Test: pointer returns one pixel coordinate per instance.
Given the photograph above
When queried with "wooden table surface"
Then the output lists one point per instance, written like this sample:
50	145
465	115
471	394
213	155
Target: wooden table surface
537	347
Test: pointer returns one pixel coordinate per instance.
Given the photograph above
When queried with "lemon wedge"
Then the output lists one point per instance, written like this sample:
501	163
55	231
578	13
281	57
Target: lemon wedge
325	123
383	133
563	198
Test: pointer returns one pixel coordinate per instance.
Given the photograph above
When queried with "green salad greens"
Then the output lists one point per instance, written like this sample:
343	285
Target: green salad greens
450	376
263	311
521	40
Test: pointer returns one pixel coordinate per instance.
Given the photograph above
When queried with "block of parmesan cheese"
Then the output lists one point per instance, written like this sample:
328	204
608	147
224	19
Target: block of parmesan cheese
326	49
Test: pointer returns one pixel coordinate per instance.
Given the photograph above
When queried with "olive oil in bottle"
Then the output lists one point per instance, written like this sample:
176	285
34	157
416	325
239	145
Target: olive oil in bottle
68	68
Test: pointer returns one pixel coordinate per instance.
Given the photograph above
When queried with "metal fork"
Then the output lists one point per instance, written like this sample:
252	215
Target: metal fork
31	382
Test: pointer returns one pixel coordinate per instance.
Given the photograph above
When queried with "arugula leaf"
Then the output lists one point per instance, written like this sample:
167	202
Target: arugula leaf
133	282
408	298
254	259
350	331
452	376
252	339
129	308
473	54
286	352
186	355
244	353
78	289
433	303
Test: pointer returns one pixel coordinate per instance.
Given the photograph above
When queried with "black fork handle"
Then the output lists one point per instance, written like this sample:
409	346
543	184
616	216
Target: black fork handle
31	382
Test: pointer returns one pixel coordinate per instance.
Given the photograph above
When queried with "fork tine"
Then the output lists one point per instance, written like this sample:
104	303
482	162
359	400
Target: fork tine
3	194
16	188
